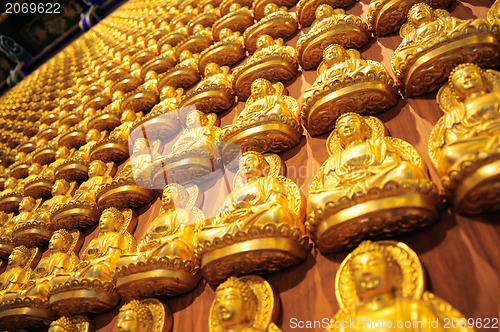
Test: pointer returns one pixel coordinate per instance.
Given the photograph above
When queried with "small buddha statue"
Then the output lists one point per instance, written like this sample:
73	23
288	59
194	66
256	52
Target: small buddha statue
26	209
364	165
60	192
98	175
261	65
373	284
427	30
143	316
60	260
10	186
127	121
226	52
239	301
344	68
238	18
184	74
207	94
266	105
77	323
18	271
465	140
207	18
277	23
91	138
200	39
6	224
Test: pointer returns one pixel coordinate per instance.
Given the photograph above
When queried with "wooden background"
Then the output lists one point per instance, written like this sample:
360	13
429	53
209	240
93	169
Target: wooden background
459	253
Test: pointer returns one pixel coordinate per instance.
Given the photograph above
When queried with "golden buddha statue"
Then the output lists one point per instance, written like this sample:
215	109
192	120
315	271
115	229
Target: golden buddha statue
238	18
195	147
12	195
82	210
277	23
207	18
6	228
115	146
429	30
143	316
272	61
30	301
345	83
332	26
178	33
226	52
61	193
214	93
30	229
494	13
246	304
169	238
370	185
262	202
32	187
108	117
132	186
184	74
18	270
307	9
269	122
19	169
383	282
77	323
463	145
93	273
200	39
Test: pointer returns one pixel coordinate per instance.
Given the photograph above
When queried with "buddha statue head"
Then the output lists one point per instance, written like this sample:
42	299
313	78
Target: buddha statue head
208	8
185	55
198	28
235	304
63	324
271	8
261	88
195	119
92	135
140	146
111	219
62	152
264	41
323	11
19	256
254	165
34	169
27	204
97	168
10	183
234	6
212	69
420	14
226	32
61	240
128	116
60	187
467	79
351	127
134	317
333	54
374	271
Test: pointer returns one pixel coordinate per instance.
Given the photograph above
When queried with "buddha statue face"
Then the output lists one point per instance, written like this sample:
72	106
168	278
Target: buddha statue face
127	321
371	275
107	222
128	116
18	257
92	135
351	128
26	204
97	168
169	197
60	187
271	8
234	6
185	55
62	152
334	54
323	11
420	14
11	183
230	308
34	169
197	28
56	242
252	166
139	146
264	41
225	33
212	69
261	88
467	80
208	8
134	317
195	119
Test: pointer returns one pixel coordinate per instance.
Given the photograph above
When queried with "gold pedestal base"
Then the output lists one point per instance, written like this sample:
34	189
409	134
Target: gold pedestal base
25	317
6	247
110	150
39	188
120	194
306	9
214	99
19	171
226	53
105	121
221	259
73	171
180	170
179	78
72	215
44	156
381	217
68	302
10	203
31	235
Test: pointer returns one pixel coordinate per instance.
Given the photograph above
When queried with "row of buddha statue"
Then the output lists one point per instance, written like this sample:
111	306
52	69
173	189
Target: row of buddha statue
379	281
161	70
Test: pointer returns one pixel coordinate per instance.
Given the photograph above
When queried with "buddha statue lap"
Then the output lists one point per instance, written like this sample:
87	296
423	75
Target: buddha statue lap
28	306
193	156
164	263
81	211
443	42
277	23
214	93
89	286
143	316
332	26
345	83
269	122
261	219
18	269
272	61
397	296
239	301
370	185
463	145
